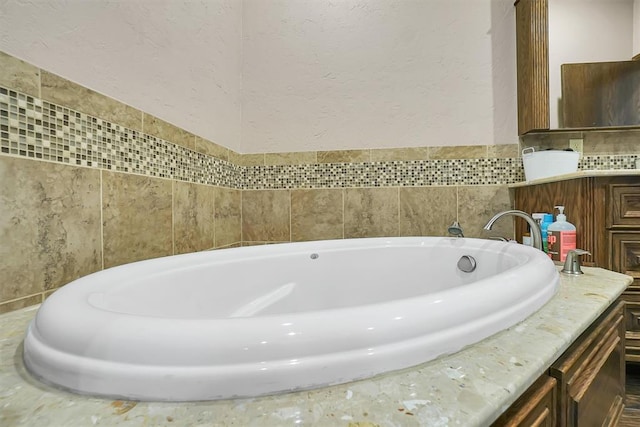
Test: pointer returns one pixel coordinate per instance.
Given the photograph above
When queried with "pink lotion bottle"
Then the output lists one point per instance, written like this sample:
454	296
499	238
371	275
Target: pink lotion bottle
561	236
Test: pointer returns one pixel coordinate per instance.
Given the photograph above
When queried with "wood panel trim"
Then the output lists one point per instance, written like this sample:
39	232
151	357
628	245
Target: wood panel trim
532	44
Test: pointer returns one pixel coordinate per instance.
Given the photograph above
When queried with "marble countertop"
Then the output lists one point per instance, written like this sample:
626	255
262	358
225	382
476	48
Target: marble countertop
579	174
471	387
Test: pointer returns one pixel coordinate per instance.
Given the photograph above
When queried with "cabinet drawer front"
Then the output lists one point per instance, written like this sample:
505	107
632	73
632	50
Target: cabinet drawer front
536	407
632	325
624	205
625	253
632	311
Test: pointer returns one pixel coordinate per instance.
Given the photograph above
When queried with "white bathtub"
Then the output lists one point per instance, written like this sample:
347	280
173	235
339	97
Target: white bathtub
268	319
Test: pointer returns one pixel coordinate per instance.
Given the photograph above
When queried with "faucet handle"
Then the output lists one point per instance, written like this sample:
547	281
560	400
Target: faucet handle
572	262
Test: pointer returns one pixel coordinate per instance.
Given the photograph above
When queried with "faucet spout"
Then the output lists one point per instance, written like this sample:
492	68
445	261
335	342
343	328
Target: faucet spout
455	229
536	234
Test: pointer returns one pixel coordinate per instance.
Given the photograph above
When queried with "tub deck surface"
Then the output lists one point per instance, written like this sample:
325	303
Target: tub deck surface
471	387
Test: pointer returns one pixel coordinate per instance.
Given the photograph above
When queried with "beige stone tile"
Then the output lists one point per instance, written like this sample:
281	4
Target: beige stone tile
20	303
66	93
427	211
164	130
397	154
212	149
300	158
266	215
611	142
49	225
458	152
246	159
19	75
316	215
370	212
503	151
228	217
192	217
136	218
344	156
478	203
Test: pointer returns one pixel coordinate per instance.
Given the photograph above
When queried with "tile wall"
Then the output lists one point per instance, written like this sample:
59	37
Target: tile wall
88	183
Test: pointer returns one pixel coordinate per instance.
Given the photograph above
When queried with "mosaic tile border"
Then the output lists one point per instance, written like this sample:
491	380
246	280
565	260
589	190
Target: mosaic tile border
608	162
385	174
37	129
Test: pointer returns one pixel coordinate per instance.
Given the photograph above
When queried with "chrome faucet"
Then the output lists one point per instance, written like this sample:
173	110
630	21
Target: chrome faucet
455	229
535	228
572	262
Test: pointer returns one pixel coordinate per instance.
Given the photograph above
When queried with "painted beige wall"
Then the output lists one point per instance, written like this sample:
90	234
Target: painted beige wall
177	60
305	75
359	74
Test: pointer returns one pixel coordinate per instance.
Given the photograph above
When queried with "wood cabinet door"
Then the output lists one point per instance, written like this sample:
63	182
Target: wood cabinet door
624	256
632	325
624	206
591	374
536	407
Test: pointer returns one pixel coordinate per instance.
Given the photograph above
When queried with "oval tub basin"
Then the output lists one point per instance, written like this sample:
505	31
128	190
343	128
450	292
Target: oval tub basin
268	319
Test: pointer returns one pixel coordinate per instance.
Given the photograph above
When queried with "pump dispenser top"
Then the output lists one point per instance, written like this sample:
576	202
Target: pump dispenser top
561	217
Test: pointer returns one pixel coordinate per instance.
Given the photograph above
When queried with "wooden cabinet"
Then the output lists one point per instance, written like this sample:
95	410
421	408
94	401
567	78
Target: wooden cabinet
591	374
536	407
585	386
606	213
594	94
532	63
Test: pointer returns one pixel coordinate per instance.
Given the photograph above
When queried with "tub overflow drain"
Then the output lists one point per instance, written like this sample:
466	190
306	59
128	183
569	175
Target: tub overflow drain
314	256
467	263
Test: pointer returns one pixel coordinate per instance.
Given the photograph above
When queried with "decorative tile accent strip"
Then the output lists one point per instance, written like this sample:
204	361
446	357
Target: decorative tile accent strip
31	127
604	162
385	174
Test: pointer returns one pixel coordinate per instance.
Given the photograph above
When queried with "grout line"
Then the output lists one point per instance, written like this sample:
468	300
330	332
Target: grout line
398	189
290	218
9	301
101	222
457	203
214	192
173	218
342	191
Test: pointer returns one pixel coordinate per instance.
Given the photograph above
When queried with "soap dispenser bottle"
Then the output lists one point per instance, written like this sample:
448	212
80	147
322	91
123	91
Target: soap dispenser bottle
561	236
